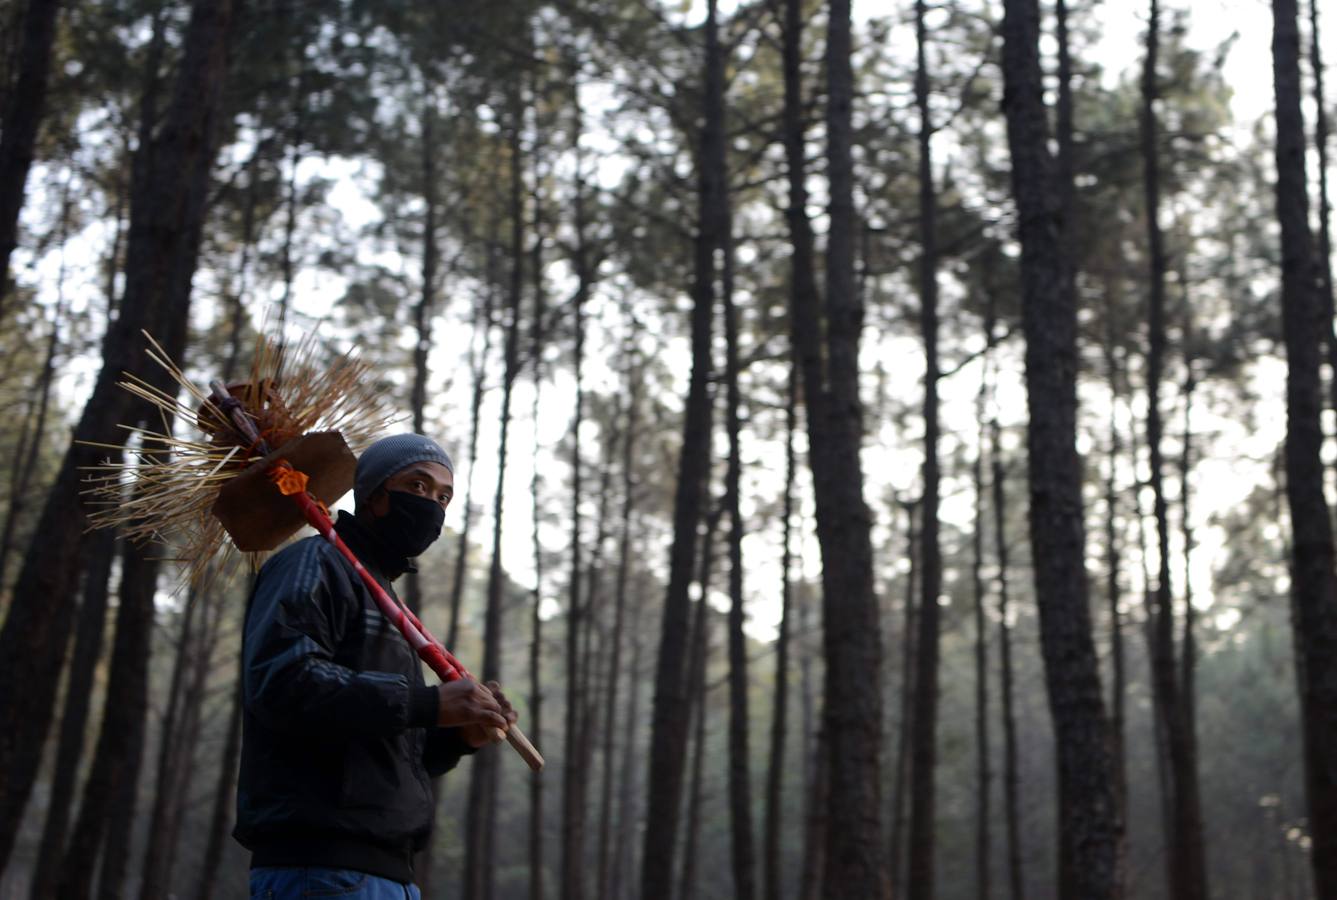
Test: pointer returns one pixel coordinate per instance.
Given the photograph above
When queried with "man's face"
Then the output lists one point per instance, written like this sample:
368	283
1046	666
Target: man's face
423	479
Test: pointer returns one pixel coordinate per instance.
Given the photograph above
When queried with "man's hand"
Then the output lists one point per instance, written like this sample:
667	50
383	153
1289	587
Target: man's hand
481	712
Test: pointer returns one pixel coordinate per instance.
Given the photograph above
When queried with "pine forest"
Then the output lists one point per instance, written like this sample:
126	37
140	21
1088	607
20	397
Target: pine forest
894	441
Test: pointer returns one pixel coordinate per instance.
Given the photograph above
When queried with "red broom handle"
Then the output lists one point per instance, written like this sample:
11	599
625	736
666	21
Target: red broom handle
428	648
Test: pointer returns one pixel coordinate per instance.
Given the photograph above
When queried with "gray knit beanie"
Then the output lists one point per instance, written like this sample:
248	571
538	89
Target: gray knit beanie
388	455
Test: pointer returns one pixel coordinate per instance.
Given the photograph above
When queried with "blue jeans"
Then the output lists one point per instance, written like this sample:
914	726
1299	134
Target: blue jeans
297	882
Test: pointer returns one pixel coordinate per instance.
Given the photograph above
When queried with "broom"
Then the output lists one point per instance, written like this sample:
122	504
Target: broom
274	456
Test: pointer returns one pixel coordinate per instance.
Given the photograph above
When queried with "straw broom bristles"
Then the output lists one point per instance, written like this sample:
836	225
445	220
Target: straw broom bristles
167	484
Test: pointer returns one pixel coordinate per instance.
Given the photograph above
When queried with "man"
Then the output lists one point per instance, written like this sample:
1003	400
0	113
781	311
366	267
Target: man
340	733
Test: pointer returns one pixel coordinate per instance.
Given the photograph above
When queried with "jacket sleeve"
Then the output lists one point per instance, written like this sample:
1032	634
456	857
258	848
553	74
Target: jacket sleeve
443	749
290	680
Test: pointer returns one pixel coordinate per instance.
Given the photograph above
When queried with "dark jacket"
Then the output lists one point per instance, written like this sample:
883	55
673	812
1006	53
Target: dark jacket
338	727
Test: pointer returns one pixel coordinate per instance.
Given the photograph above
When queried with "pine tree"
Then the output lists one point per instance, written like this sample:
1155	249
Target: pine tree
1088	823
1313	583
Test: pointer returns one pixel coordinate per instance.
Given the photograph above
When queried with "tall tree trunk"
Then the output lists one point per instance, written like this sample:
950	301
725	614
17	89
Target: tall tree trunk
1016	879
983	882
483	323
1188	661
1113	590
189	743
925	733
107	811
901	767
574	769
112	261
1324	202
740	775
296	138
595	639
24	105
480	840
700	653
1088	819
1186	860
855	854
166	784
1313	585
620	591
624	849
813	876
771	859
237	302
224	789
424	309
1157	722
74	719
167	209
668	736
226	782
34	437
692	828
1063	122
535	723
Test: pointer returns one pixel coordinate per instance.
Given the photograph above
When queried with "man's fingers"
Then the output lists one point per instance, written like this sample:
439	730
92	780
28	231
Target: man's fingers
488	702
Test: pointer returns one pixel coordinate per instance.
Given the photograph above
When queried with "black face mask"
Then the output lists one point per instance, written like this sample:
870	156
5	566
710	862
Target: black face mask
411	525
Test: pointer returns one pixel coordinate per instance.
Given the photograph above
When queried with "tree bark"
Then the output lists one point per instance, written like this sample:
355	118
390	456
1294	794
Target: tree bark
983	882
907	723
424	309
1088	821
296	138
167	208
740	775
107	811
700	650
226	783
1016	879
534	726
33	438
166	783
23	109
771	859
1324	202
687	880
1188	658
224	790
668	737
815	826
1186	861
1313	584
924	735
855	855
1113	589
237	302
74	719
483	323
625	848
620	591
188	745
574	781
480	840
1063	122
